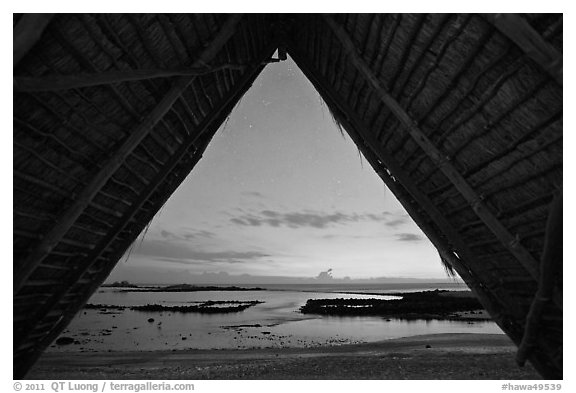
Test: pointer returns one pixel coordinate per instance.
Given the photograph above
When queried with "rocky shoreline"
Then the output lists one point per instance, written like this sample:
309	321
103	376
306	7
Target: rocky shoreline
435	304
207	307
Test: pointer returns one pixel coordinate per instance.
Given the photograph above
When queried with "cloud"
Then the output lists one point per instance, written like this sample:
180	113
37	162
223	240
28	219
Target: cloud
397	222
186	235
202	263
179	252
254	194
292	220
198	234
168	235
309	219
270	213
237	221
408	237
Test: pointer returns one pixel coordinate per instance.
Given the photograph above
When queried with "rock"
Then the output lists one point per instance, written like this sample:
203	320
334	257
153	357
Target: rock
64	341
184	338
150	320
428	346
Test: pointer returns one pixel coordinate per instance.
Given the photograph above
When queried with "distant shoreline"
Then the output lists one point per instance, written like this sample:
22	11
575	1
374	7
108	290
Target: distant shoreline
178	288
312	283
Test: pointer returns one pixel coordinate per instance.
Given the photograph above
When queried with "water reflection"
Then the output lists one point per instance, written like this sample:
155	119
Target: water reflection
275	323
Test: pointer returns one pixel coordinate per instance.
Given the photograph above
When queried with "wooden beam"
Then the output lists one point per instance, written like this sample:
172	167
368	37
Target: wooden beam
377	156
27	32
66	82
25	361
551	263
107	170
530	41
470	195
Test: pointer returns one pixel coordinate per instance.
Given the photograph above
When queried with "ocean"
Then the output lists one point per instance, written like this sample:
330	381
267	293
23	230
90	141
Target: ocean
275	323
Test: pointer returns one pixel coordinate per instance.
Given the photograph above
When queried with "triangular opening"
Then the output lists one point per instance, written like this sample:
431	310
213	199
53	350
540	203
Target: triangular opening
281	192
281	196
459	115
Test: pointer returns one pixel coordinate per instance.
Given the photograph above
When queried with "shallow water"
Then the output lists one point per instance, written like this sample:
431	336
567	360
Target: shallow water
280	323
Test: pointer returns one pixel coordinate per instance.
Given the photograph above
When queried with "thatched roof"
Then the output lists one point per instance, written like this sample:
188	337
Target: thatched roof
460	115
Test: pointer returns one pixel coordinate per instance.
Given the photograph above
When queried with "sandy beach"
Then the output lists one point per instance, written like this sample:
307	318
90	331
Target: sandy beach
438	356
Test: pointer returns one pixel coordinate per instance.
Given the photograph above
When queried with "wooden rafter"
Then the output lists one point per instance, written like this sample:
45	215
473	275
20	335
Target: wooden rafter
376	155
67	82
27	32
209	128
107	170
85	264
530	41
474	199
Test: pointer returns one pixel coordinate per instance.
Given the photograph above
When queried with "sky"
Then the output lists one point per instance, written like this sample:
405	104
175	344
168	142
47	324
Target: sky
281	192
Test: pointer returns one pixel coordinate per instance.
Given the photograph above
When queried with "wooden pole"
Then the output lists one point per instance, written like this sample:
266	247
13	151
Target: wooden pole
99	179
66	82
470	195
551	264
27	32
533	44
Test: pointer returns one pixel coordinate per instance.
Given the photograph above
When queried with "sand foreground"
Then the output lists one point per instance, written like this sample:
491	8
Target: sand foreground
439	356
